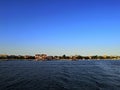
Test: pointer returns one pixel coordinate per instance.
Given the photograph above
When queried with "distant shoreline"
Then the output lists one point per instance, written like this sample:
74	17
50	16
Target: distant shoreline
56	60
44	57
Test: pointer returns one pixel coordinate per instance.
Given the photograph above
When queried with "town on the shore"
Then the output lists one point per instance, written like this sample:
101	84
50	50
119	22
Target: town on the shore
39	57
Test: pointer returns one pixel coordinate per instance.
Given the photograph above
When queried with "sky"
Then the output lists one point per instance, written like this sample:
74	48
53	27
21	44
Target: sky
57	27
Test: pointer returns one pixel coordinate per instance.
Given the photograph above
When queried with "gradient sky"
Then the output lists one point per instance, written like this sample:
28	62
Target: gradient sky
57	27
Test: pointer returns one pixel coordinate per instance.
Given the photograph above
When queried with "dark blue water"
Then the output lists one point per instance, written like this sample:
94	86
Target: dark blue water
60	75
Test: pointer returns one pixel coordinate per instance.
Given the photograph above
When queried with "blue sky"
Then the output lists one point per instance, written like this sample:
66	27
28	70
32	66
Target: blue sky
57	27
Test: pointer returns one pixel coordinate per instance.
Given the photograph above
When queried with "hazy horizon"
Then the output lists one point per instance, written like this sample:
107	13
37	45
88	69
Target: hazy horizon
57	27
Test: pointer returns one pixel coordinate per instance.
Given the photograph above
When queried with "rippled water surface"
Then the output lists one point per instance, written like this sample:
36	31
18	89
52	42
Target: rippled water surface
60	75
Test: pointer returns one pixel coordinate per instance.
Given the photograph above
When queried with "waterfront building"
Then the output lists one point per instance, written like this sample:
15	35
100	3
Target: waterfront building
49	57
3	56
29	57
40	56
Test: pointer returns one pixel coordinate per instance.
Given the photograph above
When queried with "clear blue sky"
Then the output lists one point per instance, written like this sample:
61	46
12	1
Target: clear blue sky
57	27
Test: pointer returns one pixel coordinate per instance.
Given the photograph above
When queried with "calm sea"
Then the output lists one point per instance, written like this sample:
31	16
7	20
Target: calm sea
60	75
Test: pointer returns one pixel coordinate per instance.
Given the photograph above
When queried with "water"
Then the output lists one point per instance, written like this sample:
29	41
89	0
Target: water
60	75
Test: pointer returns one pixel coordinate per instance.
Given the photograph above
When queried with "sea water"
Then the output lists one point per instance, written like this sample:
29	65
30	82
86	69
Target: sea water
60	75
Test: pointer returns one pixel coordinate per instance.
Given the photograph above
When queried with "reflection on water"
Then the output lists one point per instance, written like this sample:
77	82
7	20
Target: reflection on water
60	75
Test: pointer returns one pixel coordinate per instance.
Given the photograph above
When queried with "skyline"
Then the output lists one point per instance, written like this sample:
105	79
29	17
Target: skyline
57	27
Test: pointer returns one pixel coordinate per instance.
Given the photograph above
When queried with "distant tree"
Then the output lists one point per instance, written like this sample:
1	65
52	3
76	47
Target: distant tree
108	57
94	57
64	56
100	57
67	57
79	57
86	57
60	57
21	57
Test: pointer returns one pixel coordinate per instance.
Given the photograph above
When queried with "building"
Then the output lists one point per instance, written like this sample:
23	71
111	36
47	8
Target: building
3	56
49	57
40	56
29	57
